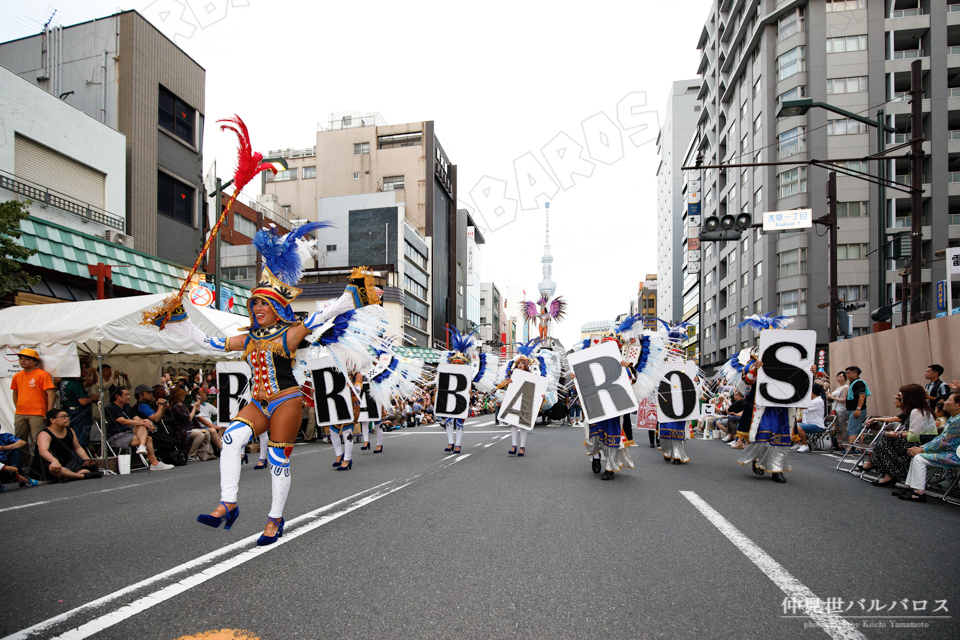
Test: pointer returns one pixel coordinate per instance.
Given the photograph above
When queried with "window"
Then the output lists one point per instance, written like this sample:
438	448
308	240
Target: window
356	176
400	140
174	199
414	287
415	320
792	142
758	306
792	263
845	5
309	172
853	251
417	258
361	148
757	196
732	258
793	303
708	335
732	321
244	226
852	209
744	245
744	145
790	63
847	85
756	123
732	289
854	292
176	116
758	270
793	182
845	126
854	165
331	247
708	307
848	43
744	312
237	273
709	280
794	94
757	233
282	176
789	24
756	88
744	280
393	183
744	180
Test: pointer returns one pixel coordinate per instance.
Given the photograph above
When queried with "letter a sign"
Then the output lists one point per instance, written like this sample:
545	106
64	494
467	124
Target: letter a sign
453	390
522	400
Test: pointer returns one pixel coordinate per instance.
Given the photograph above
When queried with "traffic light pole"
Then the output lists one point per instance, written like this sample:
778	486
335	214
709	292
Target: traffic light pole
831	221
916	196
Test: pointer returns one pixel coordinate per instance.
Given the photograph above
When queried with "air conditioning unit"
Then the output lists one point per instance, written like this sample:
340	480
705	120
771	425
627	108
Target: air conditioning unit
121	239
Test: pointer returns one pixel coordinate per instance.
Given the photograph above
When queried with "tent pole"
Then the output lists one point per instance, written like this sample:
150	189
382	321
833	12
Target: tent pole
103	430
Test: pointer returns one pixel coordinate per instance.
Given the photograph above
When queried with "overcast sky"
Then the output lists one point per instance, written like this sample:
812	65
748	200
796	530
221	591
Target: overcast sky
500	80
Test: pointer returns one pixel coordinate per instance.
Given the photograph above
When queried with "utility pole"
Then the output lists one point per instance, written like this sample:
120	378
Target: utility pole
916	196
216	265
832	225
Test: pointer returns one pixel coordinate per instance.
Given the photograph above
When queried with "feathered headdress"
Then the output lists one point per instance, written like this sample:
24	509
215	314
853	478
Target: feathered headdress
526	354
556	309
675	332
461	346
283	257
767	321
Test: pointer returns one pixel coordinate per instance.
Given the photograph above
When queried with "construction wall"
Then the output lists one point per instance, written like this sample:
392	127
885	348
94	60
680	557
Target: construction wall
891	359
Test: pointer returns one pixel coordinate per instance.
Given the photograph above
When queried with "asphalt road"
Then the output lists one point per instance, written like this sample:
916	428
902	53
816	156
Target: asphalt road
414	543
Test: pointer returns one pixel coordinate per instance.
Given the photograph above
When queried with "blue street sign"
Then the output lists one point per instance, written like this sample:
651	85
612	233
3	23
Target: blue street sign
942	295
693	209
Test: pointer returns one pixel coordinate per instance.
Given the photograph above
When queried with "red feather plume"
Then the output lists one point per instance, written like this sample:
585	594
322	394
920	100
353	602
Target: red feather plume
249	162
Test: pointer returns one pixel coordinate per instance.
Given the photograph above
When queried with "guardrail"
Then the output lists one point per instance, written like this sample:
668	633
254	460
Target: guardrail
50	197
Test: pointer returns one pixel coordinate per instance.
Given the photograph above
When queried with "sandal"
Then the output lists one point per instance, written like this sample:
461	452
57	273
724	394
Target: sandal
513	450
913	496
378	449
521	451
261	464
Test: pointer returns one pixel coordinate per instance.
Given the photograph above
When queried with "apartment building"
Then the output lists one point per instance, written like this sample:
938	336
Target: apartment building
492	318
126	74
854	55
360	154
679	124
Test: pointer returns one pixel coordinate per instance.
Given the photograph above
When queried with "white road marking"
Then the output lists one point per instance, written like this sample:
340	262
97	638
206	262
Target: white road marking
92	493
459	458
834	625
192	564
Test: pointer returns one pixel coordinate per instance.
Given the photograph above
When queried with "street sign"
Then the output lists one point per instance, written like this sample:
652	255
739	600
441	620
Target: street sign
693	267
693	220
787	220
201	296
693	256
693	232
693	244
942	295
693	209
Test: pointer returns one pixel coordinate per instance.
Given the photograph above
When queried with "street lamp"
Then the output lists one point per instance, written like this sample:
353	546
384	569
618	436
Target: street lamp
280	165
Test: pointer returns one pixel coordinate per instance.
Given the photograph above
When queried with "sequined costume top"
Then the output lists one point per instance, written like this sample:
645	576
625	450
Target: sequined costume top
270	360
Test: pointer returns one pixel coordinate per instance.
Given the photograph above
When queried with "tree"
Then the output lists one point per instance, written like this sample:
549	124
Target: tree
12	275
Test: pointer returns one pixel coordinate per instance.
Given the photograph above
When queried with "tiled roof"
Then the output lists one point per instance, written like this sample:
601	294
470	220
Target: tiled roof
418	353
69	251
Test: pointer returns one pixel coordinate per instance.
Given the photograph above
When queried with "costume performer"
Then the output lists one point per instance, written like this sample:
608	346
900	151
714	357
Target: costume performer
606	437
343	433
543	312
672	435
768	428
462	350
546	364
390	377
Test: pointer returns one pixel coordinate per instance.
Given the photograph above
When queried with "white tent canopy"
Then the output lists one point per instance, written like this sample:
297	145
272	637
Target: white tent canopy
109	327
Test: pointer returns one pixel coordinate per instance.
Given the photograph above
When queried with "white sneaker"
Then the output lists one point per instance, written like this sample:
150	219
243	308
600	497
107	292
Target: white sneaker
142	450
794	447
160	466
803	449
733	443
728	438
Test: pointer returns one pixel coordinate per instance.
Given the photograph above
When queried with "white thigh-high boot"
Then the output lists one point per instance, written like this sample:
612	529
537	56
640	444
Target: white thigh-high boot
235	438
523	438
279	456
347	444
335	440
379	430
264	441
450	430
459	431
513	434
365	430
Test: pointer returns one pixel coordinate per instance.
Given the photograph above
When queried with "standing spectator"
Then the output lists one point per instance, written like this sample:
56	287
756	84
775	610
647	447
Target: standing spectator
11	451
839	407
857	393
78	403
408	414
33	395
125	429
97	384
936	388
59	454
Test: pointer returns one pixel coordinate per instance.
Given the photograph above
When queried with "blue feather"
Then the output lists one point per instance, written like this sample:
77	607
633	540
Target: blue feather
528	347
280	253
460	342
628	323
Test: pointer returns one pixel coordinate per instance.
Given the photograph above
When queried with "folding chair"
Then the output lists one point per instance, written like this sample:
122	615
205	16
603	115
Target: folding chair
815	440
940	474
863	444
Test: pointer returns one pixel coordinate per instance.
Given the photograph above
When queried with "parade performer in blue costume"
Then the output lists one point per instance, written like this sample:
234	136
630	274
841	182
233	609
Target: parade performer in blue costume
769	428
462	349
673	435
545	364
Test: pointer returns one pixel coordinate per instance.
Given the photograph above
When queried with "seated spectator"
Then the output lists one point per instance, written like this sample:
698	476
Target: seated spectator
728	423
126	429
428	412
941	416
890	455
408	415
185	427
78	403
207	416
941	450
11	461
59	454
150	407
812	419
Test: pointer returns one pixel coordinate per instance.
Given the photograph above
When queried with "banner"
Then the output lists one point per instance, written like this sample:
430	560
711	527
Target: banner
678	397
785	379
522	400
59	360
453	391
332	398
369	410
647	415
602	383
233	390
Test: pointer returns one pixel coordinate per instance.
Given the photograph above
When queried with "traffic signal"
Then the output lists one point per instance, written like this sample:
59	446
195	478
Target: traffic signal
726	228
897	248
843	322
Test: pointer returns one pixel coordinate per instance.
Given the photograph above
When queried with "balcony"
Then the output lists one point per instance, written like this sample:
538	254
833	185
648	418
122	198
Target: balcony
908	54
48	197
